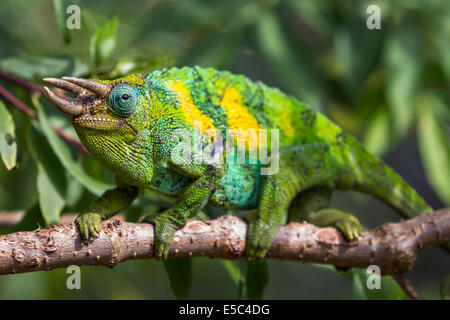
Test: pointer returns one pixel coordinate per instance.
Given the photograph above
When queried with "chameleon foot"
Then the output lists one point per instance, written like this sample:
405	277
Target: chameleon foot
164	232
259	238
349	227
89	224
346	223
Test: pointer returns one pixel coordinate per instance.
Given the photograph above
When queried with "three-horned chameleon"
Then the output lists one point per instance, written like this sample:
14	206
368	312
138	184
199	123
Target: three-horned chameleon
129	124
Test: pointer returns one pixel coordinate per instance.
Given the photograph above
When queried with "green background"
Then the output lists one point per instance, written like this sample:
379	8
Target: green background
388	87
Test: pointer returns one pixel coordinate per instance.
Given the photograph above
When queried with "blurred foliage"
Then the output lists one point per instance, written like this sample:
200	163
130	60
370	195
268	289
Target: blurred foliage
383	86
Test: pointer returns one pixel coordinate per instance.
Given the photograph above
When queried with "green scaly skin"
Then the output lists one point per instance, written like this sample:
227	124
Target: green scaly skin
134	139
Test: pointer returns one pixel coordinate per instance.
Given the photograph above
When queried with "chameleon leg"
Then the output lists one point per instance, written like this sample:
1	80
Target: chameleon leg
300	167
110	203
264	221
311	205
189	203
347	223
310	200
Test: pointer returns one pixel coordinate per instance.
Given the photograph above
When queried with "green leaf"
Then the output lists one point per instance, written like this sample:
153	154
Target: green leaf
179	271
216	50
358	287
389	288
234	271
433	149
377	138
315	13
60	15
294	71
44	156
37	67
74	191
356	54
50	182
444	288
404	66
63	153
103	42
8	145
440	36
51	201
257	279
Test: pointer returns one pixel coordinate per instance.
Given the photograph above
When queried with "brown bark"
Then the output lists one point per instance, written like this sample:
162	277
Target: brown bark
393	247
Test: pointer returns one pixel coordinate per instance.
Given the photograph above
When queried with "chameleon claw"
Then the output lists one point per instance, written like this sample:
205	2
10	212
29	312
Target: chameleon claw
88	224
350	227
92	231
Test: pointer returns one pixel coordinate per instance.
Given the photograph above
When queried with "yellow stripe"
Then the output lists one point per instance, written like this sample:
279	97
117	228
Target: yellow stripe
191	113
239	117
285	123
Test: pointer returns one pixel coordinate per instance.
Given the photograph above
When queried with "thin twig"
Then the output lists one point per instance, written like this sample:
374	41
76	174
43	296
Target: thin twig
17	103
23	83
406	285
31	113
73	142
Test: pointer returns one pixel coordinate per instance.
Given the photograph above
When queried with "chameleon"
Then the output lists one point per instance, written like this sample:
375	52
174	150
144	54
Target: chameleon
128	124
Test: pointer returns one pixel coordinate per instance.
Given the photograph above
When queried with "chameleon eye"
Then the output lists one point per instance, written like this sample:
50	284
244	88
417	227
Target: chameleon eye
123	100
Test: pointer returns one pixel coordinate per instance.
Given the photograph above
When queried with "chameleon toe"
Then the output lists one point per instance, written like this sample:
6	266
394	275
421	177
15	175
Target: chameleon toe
88	224
349	227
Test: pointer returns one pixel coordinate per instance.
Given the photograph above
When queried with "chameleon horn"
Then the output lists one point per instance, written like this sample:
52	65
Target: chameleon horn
65	85
70	107
98	88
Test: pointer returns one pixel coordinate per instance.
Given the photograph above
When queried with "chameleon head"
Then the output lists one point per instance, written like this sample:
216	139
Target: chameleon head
105	114
99	104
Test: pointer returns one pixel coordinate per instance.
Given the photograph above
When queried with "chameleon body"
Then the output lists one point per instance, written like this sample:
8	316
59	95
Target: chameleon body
128	124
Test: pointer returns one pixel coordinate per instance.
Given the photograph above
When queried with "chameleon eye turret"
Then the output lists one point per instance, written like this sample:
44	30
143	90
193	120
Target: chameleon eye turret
123	100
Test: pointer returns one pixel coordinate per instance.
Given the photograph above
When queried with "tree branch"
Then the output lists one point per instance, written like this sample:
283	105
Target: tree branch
406	285
393	247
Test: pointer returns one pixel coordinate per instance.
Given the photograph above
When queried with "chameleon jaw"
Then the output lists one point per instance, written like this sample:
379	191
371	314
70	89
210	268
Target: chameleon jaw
102	122
98	121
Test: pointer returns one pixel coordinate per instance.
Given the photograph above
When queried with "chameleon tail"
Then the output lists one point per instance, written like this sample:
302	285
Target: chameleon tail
371	175
374	177
390	188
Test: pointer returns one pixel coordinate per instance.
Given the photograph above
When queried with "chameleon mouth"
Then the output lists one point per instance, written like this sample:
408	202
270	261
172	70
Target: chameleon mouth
101	122
89	93
94	121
